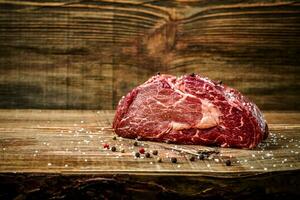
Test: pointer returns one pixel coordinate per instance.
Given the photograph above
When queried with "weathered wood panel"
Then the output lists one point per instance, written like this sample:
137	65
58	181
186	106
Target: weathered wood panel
58	154
61	141
87	54
275	186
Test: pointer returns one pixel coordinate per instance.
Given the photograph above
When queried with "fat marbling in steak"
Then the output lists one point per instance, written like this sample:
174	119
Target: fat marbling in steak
190	110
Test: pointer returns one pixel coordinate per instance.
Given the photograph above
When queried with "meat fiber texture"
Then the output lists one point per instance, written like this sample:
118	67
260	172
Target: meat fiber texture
190	109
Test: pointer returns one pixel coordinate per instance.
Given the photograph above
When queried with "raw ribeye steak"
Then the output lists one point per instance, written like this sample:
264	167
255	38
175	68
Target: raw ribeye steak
190	110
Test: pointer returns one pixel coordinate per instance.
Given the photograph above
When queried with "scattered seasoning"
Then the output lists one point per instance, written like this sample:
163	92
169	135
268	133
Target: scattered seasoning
228	162
201	157
174	160
159	159
155	152
192	158
135	143
123	151
138	138
142	150
113	149
114	138
137	154
147	155
105	146
193	74
158	73
220	82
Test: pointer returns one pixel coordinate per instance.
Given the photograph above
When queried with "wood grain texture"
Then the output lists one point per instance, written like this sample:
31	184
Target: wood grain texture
58	154
60	141
275	186
87	54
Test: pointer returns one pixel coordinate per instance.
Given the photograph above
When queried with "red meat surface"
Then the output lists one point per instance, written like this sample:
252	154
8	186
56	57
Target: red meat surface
190	110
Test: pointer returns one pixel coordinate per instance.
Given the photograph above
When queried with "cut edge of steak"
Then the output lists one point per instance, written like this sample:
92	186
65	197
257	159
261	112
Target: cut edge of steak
190	110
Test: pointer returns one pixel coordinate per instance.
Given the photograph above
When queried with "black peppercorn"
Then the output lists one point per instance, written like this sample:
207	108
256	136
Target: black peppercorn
192	158
137	154
114	138
220	82
174	160
228	162
147	155
193	74
155	152
158	73
159	160
201	156
113	149
135	143
123	151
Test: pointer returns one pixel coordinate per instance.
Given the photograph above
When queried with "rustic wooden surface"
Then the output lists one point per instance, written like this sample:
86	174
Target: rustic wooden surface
87	54
59	154
59	141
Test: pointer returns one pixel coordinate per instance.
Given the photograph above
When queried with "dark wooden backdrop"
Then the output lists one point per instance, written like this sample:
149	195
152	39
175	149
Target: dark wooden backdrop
86	54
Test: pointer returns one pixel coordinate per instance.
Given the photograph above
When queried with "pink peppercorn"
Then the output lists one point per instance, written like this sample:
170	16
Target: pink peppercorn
142	150
106	146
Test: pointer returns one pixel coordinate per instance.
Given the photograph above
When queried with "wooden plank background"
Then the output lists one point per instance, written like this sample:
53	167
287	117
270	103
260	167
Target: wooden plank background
87	54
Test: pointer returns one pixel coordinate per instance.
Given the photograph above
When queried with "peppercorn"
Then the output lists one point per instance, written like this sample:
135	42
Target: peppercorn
174	160
220	82
142	150
193	74
155	152
135	143
106	146
123	151
147	155
159	159
192	158
114	138
137	154
201	157
113	149
228	162
158	73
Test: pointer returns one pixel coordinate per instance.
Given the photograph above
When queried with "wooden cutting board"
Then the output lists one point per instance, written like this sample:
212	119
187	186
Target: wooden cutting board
70	143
